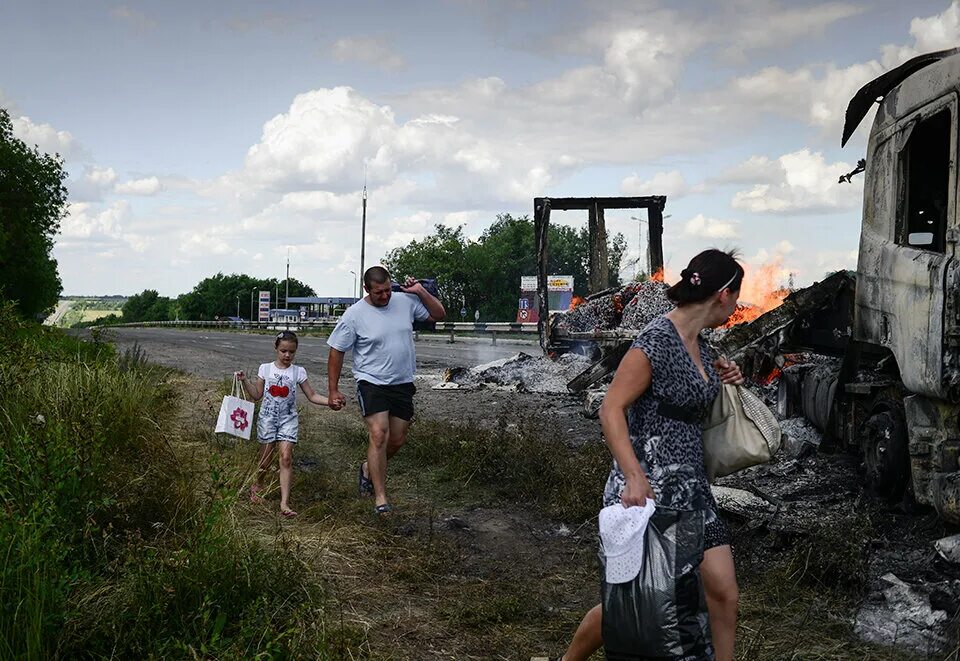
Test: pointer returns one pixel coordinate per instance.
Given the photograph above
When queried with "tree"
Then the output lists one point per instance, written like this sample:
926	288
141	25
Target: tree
485	274
221	295
146	306
32	204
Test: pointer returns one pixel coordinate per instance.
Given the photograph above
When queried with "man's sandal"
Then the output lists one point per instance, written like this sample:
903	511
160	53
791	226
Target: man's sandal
365	485
385	508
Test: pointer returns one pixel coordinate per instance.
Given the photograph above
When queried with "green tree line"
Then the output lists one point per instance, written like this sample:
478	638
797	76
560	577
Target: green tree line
217	297
485	274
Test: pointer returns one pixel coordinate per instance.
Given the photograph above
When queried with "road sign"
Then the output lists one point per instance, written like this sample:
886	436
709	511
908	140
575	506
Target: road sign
264	298
463	313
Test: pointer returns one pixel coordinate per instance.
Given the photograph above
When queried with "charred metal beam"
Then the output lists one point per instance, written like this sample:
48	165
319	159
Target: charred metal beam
541	225
655	238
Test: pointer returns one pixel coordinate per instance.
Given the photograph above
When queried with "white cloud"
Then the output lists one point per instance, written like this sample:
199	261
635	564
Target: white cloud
145	186
209	241
711	228
671	184
84	220
374	51
45	137
779	27
805	183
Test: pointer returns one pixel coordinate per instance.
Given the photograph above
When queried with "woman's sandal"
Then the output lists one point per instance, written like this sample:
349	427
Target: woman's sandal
287	514
385	508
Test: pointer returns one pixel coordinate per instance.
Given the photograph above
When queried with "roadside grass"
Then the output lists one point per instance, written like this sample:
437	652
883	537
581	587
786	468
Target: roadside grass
113	546
516	463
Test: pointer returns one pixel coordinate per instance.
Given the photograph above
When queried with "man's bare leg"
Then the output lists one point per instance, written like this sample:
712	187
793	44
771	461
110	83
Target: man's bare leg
398	435
378	430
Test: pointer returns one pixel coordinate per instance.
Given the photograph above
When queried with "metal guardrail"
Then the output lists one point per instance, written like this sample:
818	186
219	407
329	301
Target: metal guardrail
452	327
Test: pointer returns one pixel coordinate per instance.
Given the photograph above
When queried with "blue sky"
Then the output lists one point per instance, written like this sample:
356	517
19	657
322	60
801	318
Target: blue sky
205	137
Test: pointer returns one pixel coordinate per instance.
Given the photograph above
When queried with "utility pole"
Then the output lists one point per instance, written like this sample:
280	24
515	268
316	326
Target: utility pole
286	296
363	224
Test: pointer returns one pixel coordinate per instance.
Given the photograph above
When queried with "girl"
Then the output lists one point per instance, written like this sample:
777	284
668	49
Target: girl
658	454
277	383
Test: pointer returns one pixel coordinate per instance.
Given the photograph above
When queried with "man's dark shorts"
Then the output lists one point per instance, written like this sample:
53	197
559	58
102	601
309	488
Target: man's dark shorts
396	399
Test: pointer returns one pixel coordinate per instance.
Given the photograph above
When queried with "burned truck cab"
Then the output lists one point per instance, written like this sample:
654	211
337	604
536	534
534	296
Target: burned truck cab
907	300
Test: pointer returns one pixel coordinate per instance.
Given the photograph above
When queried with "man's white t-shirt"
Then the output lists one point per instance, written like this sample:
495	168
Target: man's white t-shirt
381	338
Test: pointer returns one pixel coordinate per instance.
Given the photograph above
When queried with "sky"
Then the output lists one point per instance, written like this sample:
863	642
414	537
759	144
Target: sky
205	137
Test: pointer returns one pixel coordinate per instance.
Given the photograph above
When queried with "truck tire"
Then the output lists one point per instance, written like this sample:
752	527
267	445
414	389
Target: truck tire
883	440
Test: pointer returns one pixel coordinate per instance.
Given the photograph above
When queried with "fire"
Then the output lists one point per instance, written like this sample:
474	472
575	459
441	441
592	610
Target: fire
658	275
760	292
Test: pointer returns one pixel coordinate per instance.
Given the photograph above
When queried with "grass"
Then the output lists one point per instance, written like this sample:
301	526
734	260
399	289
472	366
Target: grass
519	464
113	546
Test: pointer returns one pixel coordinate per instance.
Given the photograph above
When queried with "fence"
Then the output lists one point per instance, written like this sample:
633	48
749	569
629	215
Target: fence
451	327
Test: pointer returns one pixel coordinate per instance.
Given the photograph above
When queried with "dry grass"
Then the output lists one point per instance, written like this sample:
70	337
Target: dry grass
468	568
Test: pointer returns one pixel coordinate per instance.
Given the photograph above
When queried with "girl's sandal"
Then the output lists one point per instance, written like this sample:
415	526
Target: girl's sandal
288	514
255	496
385	508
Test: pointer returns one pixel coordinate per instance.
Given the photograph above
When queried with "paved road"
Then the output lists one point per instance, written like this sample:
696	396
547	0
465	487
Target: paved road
57	315
215	354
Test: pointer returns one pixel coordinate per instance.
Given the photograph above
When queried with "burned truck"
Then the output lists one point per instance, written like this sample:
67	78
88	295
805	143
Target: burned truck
872	357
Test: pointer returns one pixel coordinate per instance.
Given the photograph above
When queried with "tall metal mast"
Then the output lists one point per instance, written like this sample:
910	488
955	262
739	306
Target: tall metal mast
363	224
286	297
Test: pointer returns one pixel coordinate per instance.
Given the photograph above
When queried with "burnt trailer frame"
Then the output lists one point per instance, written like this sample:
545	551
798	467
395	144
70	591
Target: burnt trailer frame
599	277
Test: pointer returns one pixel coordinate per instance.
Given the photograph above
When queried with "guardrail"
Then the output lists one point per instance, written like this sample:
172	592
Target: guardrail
452	327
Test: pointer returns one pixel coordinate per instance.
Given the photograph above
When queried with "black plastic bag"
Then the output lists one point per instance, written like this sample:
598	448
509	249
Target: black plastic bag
662	613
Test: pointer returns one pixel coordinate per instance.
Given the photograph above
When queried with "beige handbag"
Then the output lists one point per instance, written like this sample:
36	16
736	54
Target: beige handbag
739	432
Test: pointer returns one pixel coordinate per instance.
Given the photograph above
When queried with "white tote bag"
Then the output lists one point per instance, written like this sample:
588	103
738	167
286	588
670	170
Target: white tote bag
236	413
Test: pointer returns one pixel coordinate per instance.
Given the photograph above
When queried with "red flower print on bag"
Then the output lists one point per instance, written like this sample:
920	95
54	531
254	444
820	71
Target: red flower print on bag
239	418
279	391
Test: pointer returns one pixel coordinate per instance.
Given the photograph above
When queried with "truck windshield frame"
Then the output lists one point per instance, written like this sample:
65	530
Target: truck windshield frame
926	170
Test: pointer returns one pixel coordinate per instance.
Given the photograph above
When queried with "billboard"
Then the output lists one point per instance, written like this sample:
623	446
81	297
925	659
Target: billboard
264	314
559	296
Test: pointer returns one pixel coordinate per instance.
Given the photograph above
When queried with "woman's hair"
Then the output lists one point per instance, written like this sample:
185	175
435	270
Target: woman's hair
288	336
707	273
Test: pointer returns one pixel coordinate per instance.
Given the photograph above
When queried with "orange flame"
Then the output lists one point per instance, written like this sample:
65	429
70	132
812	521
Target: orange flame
658	275
760	292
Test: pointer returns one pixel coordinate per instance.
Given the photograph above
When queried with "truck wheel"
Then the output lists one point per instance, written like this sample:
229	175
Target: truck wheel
884	443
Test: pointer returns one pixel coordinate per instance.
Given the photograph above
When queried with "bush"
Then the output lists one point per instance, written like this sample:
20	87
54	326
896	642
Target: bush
113	545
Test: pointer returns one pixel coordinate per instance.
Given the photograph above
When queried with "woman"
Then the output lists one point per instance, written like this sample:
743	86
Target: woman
656	444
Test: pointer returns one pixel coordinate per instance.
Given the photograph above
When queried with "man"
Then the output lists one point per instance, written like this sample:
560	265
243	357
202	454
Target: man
379	330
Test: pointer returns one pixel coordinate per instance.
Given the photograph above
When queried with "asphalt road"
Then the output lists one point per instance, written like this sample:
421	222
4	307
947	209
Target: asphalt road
216	354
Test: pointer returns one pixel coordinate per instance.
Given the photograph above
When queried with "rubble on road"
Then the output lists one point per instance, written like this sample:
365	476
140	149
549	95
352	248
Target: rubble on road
628	308
949	548
521	372
800	437
903	615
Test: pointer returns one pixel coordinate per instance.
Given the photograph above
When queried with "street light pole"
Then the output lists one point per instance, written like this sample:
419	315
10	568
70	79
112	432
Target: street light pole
252	292
363	227
646	265
238	306
354	283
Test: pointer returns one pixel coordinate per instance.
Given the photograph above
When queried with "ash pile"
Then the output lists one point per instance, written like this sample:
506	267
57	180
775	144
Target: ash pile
629	308
520	373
